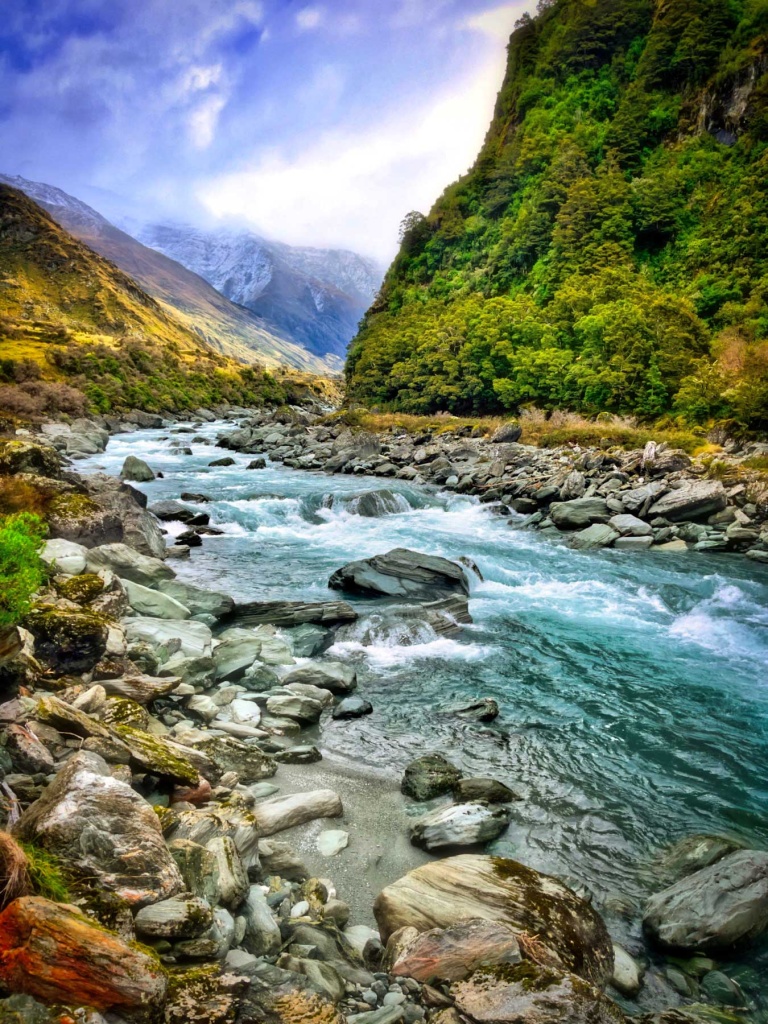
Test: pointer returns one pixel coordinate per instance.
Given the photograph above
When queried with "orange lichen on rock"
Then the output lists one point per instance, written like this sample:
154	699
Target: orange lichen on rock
52	952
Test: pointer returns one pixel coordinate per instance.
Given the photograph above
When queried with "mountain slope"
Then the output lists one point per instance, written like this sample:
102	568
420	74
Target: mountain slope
76	333
315	296
227	327
609	248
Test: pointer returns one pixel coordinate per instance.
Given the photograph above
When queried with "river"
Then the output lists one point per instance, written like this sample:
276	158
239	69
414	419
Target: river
633	686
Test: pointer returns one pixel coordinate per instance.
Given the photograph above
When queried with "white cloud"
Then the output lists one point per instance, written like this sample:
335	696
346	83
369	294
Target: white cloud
352	188
499	21
202	122
201	77
309	18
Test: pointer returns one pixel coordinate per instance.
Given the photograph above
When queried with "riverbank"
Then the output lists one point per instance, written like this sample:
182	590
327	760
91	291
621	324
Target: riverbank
209	702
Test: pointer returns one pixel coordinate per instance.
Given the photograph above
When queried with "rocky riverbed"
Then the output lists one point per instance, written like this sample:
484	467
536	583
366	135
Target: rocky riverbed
163	740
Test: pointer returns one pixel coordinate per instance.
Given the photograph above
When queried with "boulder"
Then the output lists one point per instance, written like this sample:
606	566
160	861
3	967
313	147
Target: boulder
429	776
507	433
150	602
175	512
140	528
195	638
238	650
142	689
262	933
20	456
695	499
65	556
67	641
459	825
641	498
692	853
352	707
294	613
527	993
28	755
630	526
484	709
232	877
157	755
103	829
295	705
199	602
599	535
326	675
627	977
444	892
181	917
128	564
715	909
229	755
136	470
451	954
282	812
483	790
579	513
373	504
54	953
402	573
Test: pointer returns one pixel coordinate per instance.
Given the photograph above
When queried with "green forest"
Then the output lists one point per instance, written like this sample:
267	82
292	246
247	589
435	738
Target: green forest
608	251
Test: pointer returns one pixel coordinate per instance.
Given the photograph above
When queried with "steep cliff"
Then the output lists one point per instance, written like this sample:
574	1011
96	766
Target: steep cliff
608	250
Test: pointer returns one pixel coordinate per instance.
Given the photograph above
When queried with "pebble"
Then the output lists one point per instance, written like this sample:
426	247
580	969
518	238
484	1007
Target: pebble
300	909
393	998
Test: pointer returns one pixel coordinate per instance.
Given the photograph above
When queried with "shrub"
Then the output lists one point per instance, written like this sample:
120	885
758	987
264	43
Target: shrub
21	570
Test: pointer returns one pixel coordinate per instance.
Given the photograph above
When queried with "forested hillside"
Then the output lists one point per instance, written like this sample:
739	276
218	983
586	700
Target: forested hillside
609	249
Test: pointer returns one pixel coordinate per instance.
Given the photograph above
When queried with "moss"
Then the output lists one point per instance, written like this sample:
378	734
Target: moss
156	756
18	456
124	711
81	589
168	819
46	875
528	975
72	507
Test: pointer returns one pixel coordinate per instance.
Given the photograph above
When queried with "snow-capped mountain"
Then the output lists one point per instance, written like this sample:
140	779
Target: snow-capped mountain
316	296
54	200
225	325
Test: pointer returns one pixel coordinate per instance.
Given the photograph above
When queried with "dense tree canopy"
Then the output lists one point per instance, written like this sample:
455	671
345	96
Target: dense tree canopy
609	249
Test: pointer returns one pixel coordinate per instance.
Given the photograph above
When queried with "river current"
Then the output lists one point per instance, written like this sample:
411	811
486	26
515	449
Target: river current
633	686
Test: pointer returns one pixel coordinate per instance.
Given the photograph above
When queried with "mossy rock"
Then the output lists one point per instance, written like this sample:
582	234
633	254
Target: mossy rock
75	516
81	589
153	754
18	456
67	642
124	711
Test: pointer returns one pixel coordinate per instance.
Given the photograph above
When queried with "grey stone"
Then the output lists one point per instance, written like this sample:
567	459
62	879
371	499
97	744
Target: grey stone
327	675
429	776
695	499
579	513
149	602
181	917
459	825
101	827
136	470
630	526
402	573
65	556
599	535
713	909
352	707
128	564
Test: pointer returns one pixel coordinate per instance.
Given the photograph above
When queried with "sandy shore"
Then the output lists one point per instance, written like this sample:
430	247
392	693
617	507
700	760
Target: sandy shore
376	819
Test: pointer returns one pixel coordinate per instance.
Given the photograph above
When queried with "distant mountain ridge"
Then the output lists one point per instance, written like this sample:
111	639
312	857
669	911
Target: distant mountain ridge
242	293
227	327
315	296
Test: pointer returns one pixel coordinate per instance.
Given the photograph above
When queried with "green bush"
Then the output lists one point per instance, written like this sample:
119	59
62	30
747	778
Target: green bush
21	570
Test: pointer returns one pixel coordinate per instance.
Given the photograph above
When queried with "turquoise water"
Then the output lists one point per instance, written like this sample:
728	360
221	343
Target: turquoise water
633	687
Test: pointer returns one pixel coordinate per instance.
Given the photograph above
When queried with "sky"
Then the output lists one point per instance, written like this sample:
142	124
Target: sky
314	123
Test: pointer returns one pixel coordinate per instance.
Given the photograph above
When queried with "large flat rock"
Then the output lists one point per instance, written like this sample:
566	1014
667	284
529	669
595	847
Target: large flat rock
402	573
444	892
